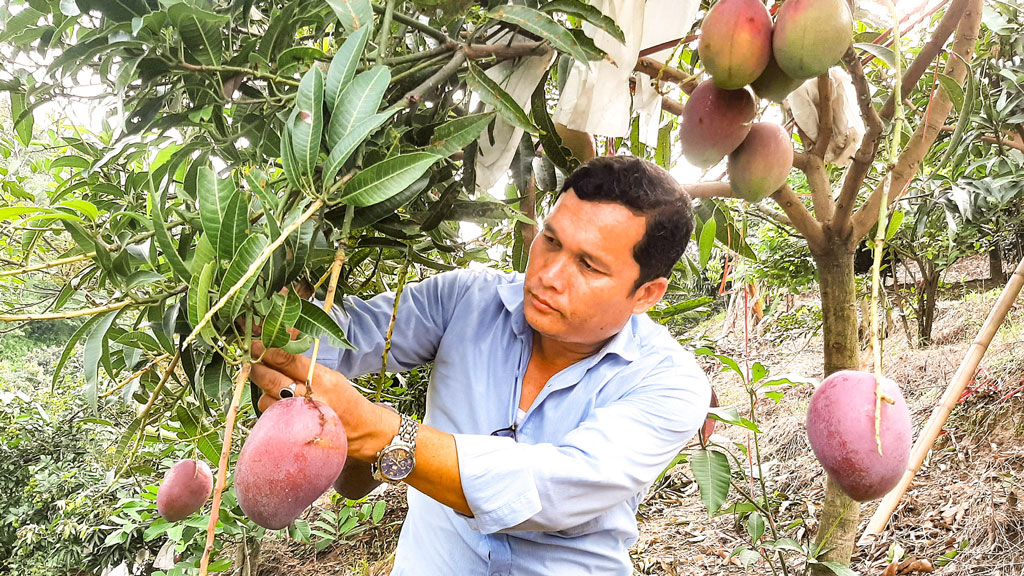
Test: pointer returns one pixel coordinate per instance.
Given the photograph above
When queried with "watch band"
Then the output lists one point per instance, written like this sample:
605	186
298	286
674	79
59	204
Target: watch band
408	431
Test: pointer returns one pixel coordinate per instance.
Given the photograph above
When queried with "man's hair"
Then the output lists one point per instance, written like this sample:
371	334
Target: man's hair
649	191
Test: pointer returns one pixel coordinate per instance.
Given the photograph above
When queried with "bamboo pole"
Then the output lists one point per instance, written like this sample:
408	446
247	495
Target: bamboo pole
941	412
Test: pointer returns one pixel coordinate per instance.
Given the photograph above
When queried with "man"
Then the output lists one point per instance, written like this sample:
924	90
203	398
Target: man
554	401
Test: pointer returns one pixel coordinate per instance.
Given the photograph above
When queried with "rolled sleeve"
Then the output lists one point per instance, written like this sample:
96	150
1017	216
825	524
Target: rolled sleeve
497	481
610	457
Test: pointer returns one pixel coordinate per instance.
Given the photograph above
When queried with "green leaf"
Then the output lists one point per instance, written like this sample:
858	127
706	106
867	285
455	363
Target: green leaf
198	301
69	348
204	439
95	348
344	63
755	526
371	214
711	470
203	254
313	321
878	51
341	151
542	25
378	511
386	178
455	135
707	241
681	308
164	241
895	221
288	162
549	138
497	98
953	88
22	116
353	14
588	13
308	125
200	31
217	382
223	213
359	100
247	254
9	212
283	314
83	207
70	161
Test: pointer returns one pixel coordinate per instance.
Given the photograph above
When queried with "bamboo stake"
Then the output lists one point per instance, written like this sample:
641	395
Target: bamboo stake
941	412
222	466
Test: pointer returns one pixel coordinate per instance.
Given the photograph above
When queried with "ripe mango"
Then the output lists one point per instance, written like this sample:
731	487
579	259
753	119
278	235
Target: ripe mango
841	429
292	456
761	164
810	36
715	122
735	42
185	488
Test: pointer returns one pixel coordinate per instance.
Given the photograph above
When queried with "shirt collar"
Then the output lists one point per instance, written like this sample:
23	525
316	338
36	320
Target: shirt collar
624	343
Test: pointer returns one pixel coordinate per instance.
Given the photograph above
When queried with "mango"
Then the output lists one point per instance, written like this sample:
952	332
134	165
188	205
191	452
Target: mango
184	490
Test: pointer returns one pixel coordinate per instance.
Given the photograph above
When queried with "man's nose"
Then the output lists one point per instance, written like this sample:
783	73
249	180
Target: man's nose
553	273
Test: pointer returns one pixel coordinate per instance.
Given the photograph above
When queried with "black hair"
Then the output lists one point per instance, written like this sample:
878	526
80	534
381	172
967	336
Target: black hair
647	190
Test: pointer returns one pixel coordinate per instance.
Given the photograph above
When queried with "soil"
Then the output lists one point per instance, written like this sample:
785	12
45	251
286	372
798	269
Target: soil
962	514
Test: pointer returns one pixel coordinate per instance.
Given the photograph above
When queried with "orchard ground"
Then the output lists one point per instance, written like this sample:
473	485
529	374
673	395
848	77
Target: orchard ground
965	498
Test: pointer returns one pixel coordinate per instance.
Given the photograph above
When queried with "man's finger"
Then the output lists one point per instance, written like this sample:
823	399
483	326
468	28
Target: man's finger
295	366
265	402
272	382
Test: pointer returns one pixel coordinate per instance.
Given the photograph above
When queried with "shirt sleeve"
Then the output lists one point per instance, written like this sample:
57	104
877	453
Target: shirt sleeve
424	312
612	456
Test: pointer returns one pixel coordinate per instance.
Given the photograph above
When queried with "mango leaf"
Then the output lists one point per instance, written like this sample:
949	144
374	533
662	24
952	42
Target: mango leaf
288	162
493	95
95	347
542	25
386	178
313	321
69	348
204	439
203	254
308	126
217	381
200	32
549	138
341	151
838	569
711	470
587	13
247	254
164	241
359	100
456	134
198	301
284	312
344	63
878	51
371	214
223	213
707	241
953	88
24	121
680	308
353	14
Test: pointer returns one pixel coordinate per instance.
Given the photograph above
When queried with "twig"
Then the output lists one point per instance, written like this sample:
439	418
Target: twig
403	274
45	265
416	25
239	70
661	71
125	382
824	115
709	190
865	155
144	414
222	466
90	311
332	286
412	97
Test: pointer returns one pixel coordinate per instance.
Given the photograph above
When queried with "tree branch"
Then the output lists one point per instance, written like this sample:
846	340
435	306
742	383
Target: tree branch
91	311
824	115
936	114
817	179
1007	140
709	190
503	52
861	165
663	72
415	24
799	217
928	52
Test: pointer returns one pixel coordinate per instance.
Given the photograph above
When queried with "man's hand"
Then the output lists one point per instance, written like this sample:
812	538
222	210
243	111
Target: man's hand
369	427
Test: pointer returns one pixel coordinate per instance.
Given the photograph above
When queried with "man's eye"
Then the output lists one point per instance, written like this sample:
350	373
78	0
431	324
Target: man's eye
586	265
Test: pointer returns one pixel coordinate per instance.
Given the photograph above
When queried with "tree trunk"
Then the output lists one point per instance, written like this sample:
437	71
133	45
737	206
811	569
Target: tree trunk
995	265
837	527
926	302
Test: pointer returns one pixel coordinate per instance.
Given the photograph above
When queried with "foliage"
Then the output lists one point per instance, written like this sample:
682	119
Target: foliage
784	262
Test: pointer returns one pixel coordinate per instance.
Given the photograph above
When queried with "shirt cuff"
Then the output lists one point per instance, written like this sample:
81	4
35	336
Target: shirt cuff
497	484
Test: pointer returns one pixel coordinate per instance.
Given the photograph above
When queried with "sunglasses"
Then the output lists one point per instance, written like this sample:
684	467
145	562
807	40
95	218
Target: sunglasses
507	432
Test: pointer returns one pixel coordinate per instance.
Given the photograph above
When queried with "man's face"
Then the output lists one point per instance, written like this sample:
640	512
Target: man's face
581	276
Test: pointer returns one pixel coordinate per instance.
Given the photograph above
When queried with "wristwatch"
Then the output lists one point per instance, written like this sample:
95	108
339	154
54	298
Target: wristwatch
396	461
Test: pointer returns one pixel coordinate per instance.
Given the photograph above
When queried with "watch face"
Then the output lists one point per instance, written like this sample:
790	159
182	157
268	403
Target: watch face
397	463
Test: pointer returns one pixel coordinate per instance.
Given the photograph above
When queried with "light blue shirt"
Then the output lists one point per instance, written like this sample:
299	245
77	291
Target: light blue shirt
563	499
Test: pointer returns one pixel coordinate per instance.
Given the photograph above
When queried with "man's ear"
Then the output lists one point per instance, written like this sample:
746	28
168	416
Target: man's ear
647	295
